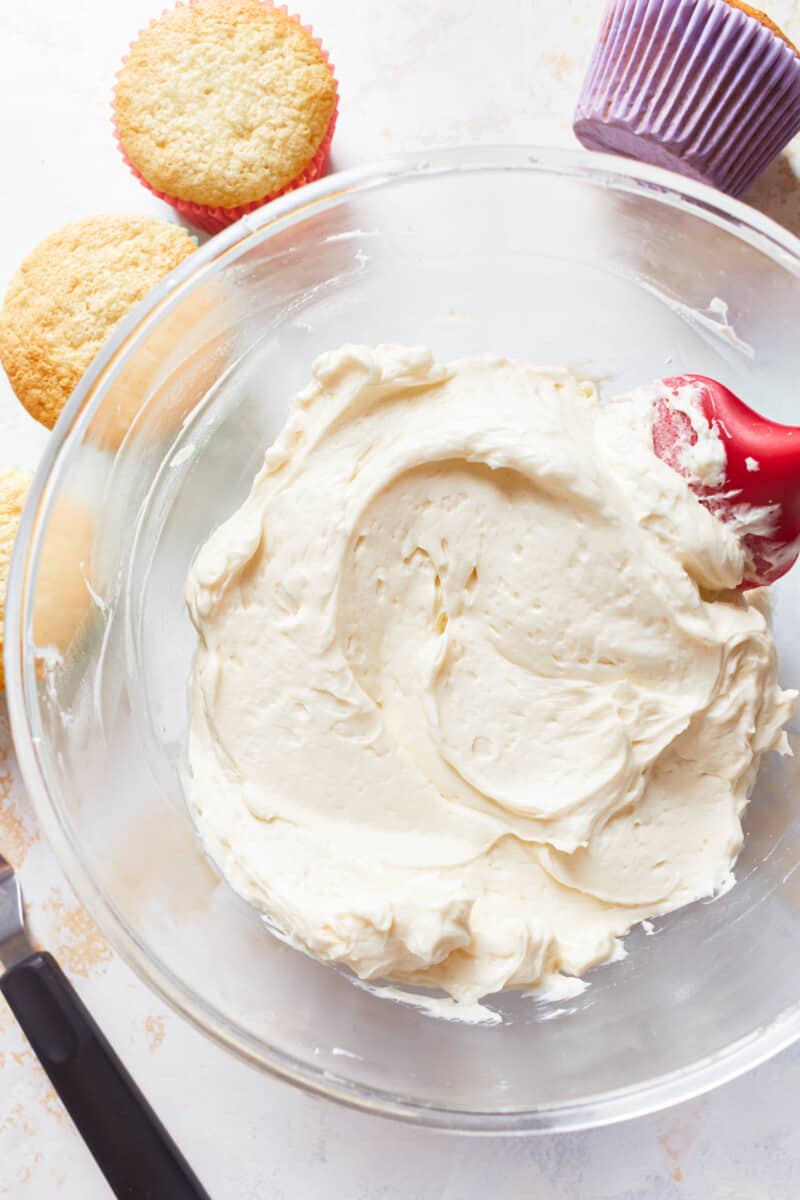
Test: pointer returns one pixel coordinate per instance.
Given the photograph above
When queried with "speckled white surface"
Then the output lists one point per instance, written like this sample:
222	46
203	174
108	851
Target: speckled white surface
413	73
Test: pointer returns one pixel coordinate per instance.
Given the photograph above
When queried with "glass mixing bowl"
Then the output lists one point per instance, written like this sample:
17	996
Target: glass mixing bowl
626	273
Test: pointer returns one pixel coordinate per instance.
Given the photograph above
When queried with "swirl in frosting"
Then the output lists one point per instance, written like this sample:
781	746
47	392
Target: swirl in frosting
472	694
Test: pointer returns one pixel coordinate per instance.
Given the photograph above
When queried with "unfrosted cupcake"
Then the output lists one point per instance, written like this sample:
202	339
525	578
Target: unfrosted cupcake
709	88
69	295
63	600
222	105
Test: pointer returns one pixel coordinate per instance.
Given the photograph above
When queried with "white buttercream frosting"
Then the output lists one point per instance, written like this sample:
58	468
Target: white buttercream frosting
471	696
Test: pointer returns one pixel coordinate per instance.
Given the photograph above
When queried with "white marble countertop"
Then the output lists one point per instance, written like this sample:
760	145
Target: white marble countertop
413	73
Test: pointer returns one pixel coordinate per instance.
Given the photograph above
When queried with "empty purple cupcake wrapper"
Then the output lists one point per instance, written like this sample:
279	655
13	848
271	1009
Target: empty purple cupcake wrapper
694	85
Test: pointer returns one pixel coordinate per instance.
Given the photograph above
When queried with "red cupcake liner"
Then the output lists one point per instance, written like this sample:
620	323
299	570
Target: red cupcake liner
213	218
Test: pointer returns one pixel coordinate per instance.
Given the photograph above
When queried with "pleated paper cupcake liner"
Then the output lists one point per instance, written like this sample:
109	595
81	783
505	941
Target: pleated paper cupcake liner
698	86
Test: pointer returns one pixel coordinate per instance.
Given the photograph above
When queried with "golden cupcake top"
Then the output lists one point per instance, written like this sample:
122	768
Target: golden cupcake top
223	102
763	19
70	293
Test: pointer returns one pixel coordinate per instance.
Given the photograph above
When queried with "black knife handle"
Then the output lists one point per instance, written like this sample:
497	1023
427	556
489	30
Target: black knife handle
130	1145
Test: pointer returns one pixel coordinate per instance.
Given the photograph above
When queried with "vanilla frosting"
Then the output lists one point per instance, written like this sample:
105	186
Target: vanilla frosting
472	696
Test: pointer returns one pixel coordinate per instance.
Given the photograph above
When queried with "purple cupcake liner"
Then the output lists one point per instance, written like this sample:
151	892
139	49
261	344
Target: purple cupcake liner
697	86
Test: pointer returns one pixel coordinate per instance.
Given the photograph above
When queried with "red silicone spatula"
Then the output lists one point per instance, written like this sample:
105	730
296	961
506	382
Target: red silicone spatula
760	491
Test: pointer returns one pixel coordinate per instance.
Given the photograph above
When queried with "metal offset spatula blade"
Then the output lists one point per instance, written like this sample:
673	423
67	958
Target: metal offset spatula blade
14	944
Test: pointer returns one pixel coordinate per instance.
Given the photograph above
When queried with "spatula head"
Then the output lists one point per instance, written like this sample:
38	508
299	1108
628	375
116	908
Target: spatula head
758	492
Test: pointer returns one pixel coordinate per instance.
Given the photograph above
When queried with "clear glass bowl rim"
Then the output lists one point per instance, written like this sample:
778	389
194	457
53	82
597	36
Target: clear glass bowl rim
597	169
